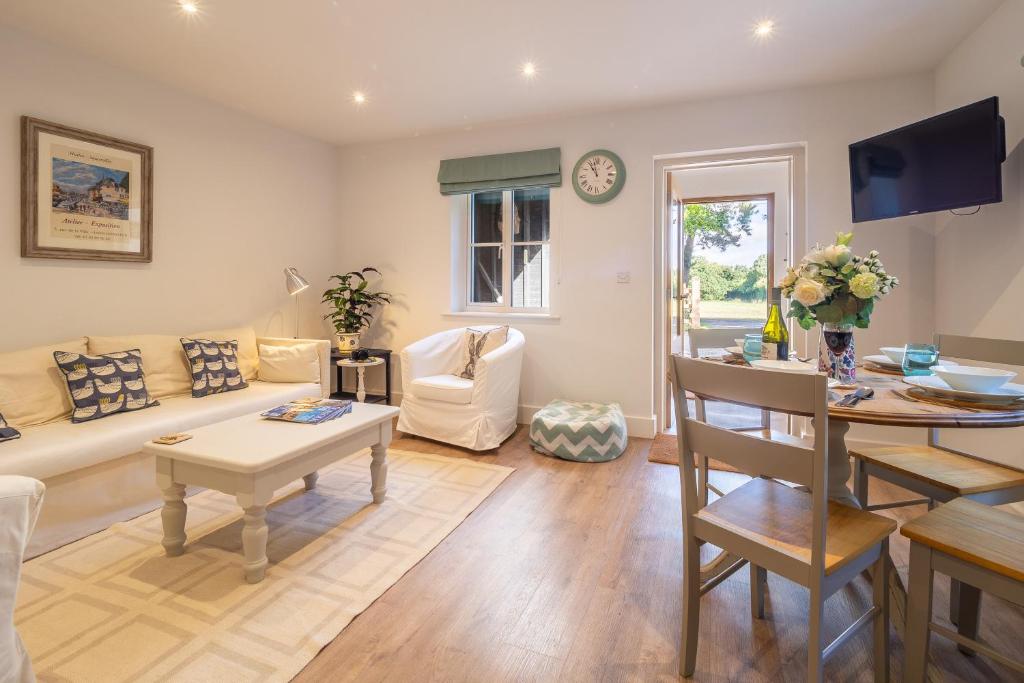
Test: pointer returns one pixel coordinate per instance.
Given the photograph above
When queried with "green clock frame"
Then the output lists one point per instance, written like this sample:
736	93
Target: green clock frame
613	191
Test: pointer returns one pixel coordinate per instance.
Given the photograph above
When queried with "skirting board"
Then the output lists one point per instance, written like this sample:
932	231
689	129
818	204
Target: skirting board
642	427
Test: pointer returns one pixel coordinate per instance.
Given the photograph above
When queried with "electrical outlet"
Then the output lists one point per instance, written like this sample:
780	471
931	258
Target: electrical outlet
622	277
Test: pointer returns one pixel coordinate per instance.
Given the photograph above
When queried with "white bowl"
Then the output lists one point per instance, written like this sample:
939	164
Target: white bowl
967	378
739	342
894	353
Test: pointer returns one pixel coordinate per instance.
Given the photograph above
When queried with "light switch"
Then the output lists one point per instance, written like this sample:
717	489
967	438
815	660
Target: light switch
622	277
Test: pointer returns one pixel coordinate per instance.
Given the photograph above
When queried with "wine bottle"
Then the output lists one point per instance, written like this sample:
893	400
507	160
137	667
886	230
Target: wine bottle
775	336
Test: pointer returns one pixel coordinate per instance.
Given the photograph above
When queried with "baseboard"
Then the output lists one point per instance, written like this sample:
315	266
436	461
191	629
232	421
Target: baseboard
642	427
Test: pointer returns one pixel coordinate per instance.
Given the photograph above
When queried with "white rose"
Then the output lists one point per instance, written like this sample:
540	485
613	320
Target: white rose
809	292
837	254
864	285
790	278
815	256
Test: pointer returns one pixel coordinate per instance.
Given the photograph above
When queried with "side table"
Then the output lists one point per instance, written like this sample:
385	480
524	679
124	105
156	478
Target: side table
383	354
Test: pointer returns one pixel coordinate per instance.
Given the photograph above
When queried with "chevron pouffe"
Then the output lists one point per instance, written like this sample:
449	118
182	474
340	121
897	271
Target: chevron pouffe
586	432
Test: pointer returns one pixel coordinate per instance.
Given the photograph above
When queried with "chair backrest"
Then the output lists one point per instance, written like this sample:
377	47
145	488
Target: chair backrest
716	338
1002	351
792	393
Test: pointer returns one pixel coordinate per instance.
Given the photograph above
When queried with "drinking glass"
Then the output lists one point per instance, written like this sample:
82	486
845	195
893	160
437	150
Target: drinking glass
918	359
751	347
837	338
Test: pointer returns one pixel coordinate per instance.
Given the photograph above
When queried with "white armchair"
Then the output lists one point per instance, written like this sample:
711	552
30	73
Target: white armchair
20	501
437	404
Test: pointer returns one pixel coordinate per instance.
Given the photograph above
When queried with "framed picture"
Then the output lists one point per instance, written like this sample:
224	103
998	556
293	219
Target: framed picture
84	195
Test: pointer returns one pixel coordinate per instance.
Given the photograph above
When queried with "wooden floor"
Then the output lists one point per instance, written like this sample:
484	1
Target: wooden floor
571	572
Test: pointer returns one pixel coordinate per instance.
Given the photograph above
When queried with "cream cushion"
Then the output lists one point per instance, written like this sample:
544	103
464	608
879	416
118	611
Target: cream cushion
32	387
163	360
248	352
298	363
479	342
446	388
55	449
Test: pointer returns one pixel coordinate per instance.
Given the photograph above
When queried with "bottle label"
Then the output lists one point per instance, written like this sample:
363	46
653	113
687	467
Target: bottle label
775	351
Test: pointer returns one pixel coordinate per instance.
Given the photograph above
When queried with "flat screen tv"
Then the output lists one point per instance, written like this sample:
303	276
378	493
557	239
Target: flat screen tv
949	161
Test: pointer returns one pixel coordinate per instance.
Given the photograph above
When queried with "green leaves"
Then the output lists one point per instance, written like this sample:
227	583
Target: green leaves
844	238
353	304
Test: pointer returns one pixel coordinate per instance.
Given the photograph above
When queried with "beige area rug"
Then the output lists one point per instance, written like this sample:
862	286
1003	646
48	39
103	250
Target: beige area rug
112	608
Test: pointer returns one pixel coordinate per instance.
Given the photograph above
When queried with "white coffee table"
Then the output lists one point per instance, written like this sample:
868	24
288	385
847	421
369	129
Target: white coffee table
250	457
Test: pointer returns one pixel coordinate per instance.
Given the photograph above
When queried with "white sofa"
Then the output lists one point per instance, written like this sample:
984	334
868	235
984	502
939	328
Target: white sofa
477	414
95	473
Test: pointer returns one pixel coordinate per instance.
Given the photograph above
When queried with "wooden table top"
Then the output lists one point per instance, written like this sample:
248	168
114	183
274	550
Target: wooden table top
888	408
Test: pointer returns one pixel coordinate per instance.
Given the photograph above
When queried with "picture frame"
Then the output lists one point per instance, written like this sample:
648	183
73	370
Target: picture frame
84	195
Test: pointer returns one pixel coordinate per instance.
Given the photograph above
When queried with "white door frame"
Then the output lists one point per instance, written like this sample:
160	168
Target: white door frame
795	154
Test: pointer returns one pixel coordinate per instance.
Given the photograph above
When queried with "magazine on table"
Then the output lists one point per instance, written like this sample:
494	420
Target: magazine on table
310	410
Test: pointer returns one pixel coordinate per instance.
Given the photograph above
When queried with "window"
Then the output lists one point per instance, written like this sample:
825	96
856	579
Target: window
509	270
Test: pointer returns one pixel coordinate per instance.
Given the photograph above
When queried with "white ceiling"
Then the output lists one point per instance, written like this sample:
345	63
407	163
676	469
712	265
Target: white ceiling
428	65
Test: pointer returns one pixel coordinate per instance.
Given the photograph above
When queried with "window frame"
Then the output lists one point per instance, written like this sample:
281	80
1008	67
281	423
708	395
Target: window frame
506	247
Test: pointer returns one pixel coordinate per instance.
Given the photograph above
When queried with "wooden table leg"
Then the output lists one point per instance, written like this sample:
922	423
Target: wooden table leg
360	384
254	543
173	517
310	480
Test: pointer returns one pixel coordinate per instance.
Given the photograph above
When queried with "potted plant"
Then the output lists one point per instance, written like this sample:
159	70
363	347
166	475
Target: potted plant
837	289
353	305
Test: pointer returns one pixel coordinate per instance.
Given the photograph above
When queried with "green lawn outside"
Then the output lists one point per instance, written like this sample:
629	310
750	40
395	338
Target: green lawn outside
733	309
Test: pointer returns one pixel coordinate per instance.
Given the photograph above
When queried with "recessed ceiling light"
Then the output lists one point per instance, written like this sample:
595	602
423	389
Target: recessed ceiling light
188	7
529	69
358	97
764	28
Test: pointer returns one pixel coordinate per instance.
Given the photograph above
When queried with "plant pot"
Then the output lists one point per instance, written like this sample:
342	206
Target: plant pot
347	341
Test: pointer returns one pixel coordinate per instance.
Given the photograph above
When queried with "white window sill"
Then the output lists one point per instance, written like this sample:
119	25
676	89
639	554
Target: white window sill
500	315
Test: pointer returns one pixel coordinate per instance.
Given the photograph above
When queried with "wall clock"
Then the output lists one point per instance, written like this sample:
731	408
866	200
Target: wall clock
598	176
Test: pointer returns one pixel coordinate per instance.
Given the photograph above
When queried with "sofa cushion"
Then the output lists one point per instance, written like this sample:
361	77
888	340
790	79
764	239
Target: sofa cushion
295	363
248	351
7	433
32	388
167	372
447	388
48	450
104	385
214	366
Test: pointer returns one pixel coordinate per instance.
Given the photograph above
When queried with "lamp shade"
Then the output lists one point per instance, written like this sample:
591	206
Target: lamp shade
293	281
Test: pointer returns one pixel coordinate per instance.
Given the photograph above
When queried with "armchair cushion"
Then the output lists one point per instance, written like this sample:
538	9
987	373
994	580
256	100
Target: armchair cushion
480	343
446	388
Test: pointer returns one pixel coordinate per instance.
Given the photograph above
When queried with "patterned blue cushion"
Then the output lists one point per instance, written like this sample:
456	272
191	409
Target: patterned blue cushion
214	366
104	385
7	433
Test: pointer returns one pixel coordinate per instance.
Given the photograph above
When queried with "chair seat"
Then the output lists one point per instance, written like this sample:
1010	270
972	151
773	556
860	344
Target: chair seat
958	474
446	388
975	533
778	517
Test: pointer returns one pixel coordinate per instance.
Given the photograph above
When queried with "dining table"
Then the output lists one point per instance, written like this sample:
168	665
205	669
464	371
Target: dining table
893	404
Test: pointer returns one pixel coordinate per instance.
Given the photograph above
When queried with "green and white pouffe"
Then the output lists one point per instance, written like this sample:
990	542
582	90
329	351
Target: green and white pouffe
586	432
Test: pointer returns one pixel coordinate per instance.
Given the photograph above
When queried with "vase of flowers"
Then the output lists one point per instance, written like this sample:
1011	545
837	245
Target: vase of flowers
837	289
353	306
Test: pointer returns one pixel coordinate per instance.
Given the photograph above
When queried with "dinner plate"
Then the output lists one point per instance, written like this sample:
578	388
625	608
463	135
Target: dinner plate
1008	393
886	362
785	366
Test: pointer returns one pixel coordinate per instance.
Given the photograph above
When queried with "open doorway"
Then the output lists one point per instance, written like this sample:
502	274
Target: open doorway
728	230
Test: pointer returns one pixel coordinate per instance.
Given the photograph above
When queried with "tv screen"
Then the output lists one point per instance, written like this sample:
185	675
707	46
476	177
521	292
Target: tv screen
949	161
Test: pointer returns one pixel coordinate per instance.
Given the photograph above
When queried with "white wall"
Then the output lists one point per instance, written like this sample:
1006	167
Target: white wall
235	201
602	346
979	269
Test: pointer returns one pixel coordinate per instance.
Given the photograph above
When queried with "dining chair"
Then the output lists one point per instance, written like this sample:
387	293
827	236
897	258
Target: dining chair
701	339
941	474
798	534
977	544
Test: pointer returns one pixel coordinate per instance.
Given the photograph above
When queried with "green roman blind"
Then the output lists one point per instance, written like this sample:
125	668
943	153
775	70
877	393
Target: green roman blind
537	168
